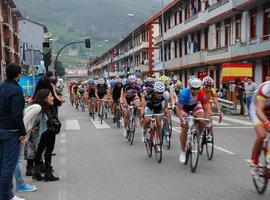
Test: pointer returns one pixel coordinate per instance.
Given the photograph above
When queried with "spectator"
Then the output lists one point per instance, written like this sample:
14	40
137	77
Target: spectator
12	130
267	78
47	135
250	88
240	94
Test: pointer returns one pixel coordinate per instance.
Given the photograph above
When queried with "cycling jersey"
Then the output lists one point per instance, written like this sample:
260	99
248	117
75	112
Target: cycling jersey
189	101
210	93
102	90
91	91
116	93
154	104
132	92
81	90
75	89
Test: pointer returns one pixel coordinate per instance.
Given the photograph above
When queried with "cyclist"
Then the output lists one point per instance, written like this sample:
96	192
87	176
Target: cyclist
208	87
101	93
116	94
260	116
131	94
148	85
155	102
91	96
75	94
191	99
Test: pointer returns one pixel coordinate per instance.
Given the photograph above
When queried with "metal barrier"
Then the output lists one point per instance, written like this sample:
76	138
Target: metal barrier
228	105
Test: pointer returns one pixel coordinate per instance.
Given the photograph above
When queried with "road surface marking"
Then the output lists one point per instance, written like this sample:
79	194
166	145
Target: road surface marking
72	125
98	125
63	150
62	195
63	161
63	141
224	150
238	121
247	160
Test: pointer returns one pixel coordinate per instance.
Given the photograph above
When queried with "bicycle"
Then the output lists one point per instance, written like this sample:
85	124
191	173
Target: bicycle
132	121
92	108
103	112
193	142
260	180
207	139
153	138
167	131
118	114
82	105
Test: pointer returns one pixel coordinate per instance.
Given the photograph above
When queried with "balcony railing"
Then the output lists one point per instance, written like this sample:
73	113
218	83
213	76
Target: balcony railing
216	5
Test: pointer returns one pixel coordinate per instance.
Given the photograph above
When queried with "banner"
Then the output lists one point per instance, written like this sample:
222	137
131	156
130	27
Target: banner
231	71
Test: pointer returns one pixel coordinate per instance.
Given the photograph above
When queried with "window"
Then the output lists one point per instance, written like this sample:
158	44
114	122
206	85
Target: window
206	38
175	18
199	41
175	49
227	32
180	16
238	19
169	51
266	21
252	27
265	67
218	35
186	46
180	48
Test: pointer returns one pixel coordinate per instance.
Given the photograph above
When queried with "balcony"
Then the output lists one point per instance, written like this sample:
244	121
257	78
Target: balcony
255	46
195	22
219	9
158	39
219	53
195	58
173	32
143	45
143	68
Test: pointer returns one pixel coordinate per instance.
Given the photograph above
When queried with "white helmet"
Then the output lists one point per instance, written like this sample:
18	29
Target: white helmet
159	87
101	81
208	81
132	78
194	83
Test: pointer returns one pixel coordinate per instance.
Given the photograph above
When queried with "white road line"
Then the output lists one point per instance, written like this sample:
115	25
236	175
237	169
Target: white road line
238	121
247	160
98	125
72	125
63	150
62	195
63	161
63	141
224	150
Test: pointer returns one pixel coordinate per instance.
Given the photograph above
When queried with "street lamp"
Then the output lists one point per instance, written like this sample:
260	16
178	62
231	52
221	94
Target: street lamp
133	43
162	32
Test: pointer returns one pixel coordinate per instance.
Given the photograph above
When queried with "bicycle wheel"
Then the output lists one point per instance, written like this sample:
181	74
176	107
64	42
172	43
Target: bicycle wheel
158	146
102	114
194	154
202	141
209	140
117	117
260	180
148	144
131	130
170	135
187	152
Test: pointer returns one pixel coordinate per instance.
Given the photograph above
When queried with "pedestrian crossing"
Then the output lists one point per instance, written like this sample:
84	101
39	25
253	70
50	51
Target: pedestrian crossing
228	122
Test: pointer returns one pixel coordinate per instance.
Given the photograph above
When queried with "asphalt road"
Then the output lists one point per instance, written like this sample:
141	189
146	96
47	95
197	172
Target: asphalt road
95	163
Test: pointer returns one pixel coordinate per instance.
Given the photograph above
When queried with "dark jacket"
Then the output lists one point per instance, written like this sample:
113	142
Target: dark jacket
11	107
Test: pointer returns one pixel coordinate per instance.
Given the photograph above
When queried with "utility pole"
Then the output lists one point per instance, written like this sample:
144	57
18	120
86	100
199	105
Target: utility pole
33	66
163	45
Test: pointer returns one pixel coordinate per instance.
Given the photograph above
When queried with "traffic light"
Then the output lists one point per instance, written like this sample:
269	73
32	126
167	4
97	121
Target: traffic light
88	43
47	54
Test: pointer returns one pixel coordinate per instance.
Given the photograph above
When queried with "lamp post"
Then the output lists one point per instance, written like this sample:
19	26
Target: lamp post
162	34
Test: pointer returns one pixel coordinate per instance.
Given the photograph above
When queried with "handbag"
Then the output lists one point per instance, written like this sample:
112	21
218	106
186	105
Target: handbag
54	125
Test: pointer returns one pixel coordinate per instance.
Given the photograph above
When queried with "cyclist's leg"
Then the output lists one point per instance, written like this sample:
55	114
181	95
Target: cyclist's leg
199	112
183	136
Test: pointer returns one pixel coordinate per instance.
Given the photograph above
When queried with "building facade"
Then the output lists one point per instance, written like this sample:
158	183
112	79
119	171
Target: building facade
9	34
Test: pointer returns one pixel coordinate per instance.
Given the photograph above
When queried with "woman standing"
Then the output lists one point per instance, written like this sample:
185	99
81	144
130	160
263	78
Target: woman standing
47	132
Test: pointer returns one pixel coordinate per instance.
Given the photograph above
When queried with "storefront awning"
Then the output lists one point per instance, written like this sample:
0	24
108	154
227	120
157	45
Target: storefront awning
230	71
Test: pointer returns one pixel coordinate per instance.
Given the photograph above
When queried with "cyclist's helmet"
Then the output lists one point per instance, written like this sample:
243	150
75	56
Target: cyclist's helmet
159	87
101	81
165	80
179	84
175	78
132	78
208	81
194	83
149	80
